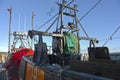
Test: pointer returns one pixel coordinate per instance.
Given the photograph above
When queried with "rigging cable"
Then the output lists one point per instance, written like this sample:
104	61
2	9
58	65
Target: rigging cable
82	28
53	16
90	10
52	23
78	21
111	36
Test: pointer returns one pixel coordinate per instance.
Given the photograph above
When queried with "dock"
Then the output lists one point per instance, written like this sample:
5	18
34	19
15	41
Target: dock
2	73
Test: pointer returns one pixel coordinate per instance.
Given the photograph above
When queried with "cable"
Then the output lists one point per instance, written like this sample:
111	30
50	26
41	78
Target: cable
78	21
47	21
52	23
53	16
90	10
111	36
82	28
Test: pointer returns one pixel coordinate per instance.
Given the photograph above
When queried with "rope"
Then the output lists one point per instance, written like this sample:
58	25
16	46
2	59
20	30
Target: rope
47	21
52	23
111	36
90	10
53	16
82	28
78	21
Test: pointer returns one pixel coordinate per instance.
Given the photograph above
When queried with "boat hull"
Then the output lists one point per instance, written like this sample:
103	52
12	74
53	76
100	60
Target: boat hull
30	71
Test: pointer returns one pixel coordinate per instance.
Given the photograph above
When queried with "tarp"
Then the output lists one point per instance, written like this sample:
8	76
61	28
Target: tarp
71	41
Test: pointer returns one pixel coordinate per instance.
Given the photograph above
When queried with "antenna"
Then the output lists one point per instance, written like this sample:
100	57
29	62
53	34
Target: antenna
25	24
18	22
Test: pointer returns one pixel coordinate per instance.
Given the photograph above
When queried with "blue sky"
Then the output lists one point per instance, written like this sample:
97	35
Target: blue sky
100	23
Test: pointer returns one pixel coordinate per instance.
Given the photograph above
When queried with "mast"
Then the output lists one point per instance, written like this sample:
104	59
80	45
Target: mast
76	24
33	14
33	20
72	26
9	34
61	22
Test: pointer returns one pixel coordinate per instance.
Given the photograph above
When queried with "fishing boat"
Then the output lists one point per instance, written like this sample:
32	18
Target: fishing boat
64	63
20	47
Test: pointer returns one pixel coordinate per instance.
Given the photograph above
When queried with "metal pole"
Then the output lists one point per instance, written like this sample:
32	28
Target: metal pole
9	34
75	8
32	27
61	16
